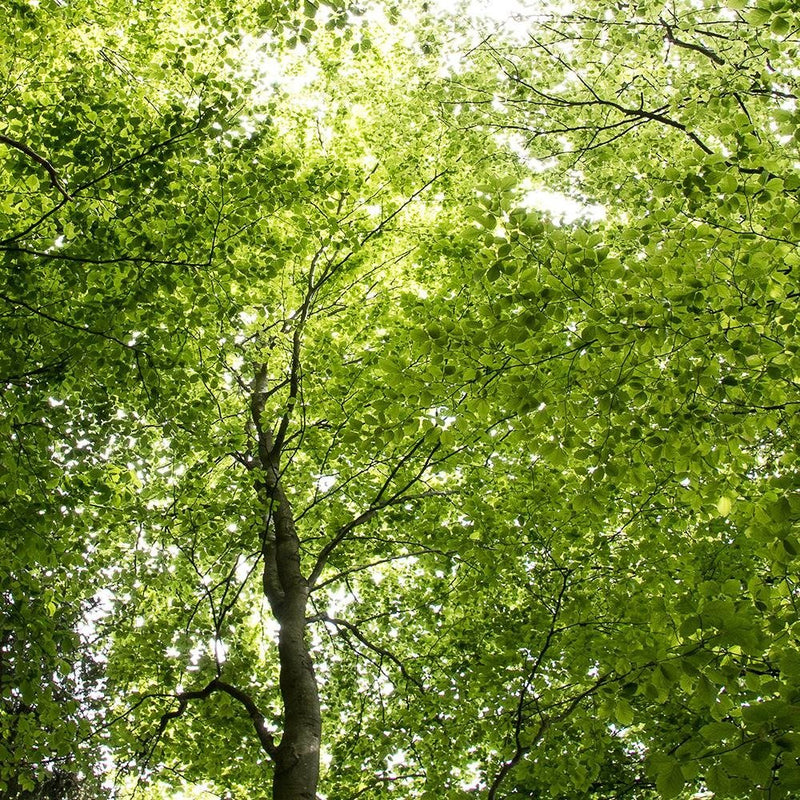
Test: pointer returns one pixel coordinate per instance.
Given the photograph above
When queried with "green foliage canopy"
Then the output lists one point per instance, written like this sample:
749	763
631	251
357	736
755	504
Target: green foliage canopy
278	291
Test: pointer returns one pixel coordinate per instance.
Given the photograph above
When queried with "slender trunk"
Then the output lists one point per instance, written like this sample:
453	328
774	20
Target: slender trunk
297	761
286	588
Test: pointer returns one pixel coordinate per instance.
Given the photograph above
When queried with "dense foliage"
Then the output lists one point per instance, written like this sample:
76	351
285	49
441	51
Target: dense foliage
318	406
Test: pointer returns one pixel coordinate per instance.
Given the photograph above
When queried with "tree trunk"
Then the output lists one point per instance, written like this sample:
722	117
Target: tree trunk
297	760
297	763
286	588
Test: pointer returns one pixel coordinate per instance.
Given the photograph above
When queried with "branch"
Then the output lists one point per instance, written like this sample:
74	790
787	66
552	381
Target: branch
44	315
362	567
361	519
51	170
294	387
55	367
656	116
375	506
61	256
312	289
384	222
259	721
333	268
520	749
203	117
404	460
523	750
386	779
122	165
597	100
698	48
297	342
341	623
322	558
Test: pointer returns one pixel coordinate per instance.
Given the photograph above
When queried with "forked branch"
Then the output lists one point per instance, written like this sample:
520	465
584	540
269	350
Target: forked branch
698	48
361	519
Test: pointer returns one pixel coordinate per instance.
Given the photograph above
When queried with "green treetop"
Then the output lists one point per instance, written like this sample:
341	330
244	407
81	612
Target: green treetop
339	462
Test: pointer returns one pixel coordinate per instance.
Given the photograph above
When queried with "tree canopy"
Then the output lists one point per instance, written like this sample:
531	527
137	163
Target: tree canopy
399	401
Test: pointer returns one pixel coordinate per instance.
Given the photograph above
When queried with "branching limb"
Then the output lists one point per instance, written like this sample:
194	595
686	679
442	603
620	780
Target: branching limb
313	285
72	326
58	255
386	779
386	220
520	748
698	48
203	117
362	567
544	726
294	388
265	738
361	519
356	632
259	394
41	160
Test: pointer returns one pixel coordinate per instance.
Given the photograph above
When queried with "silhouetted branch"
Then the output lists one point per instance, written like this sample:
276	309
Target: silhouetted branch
259	721
354	630
51	170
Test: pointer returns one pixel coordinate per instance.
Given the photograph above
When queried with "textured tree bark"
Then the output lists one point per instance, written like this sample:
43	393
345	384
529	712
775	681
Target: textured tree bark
286	588
297	758
297	763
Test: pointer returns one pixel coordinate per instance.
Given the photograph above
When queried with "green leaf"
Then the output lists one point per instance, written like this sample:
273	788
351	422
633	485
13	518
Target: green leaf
724	505
757	16
671	782
623	712
760	751
781	510
780	25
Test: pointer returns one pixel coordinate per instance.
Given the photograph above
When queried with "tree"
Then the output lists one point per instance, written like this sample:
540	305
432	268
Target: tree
328	451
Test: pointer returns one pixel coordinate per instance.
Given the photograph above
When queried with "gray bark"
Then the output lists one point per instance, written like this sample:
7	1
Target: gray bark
297	756
297	762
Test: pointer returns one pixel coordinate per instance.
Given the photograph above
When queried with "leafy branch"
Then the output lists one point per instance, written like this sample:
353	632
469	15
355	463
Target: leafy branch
39	159
183	699
377	505
65	323
343	624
